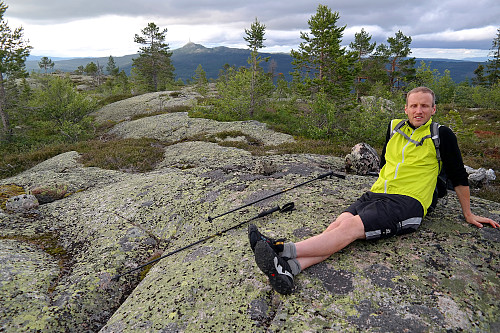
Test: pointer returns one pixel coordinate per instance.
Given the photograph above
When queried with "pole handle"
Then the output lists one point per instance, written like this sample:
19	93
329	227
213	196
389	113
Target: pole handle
267	212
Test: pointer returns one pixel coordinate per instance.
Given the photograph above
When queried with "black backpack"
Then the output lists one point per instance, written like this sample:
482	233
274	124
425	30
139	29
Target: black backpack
443	183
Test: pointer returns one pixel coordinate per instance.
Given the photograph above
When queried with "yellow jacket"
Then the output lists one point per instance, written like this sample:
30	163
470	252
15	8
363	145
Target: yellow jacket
411	166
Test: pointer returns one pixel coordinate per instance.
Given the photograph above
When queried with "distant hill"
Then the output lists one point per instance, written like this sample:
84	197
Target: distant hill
188	57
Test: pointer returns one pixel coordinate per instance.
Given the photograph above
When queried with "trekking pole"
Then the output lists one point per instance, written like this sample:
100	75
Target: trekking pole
286	208
328	174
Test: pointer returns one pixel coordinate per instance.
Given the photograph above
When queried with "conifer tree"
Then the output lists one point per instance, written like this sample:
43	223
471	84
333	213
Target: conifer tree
255	39
153	68
364	47
13	53
401	68
479	79
321	64
111	67
45	63
493	65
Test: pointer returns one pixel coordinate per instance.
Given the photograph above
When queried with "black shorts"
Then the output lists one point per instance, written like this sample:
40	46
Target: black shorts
385	215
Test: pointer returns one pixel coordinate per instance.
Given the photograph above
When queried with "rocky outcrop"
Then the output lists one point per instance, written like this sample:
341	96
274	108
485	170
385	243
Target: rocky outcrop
57	262
362	160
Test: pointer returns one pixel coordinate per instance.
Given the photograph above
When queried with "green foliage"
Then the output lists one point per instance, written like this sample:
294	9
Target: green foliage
395	54
453	120
13	53
477	97
111	67
200	80
255	36
59	108
241	93
255	39
370	120
91	68
493	64
321	64
442	85
45	63
364	48
153	69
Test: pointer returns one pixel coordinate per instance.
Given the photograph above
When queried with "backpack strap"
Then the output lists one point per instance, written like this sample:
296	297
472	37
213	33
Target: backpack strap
397	129
435	138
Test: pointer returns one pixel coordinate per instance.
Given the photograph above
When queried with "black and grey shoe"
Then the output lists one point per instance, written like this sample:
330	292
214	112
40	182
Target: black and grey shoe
254	236
275	267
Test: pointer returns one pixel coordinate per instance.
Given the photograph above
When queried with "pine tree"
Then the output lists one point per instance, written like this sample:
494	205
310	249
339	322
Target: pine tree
401	68
255	39
153	69
493	65
45	63
13	53
321	64
364	47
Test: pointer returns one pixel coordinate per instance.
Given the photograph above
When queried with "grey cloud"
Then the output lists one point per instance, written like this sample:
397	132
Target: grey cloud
412	17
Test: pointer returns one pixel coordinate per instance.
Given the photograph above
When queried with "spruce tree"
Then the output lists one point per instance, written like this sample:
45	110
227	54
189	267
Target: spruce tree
111	67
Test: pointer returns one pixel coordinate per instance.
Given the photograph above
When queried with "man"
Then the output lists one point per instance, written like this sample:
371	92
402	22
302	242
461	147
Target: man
396	203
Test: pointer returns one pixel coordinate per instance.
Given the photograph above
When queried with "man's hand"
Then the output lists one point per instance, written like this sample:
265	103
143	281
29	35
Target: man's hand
479	221
463	194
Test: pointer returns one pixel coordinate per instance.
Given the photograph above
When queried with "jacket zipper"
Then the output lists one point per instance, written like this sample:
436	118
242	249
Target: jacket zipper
402	161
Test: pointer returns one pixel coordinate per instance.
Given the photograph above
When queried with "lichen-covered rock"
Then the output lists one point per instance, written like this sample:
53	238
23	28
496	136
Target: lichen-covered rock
26	277
178	126
49	193
23	203
149	103
480	177
442	278
7	191
362	160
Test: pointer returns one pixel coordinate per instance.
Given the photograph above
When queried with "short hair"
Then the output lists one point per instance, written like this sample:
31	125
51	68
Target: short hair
422	90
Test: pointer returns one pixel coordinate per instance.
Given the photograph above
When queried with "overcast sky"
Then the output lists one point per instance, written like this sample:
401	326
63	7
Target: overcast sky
79	28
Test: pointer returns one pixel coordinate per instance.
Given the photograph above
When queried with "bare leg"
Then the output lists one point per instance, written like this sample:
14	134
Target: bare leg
339	219
343	231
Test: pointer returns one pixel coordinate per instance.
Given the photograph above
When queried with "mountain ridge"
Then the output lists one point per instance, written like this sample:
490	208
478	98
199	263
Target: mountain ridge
187	58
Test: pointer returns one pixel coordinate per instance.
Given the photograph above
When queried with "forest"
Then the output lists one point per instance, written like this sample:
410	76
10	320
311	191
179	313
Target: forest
337	96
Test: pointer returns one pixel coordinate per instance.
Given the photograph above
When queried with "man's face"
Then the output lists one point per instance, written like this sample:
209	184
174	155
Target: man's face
419	108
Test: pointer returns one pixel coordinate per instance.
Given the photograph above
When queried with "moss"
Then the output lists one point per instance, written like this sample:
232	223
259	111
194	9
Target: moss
8	191
147	268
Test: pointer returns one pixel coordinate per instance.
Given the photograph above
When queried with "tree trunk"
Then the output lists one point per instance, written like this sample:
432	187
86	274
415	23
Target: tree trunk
3	114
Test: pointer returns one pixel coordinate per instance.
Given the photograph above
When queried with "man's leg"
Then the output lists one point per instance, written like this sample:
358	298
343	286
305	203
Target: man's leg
338	220
346	229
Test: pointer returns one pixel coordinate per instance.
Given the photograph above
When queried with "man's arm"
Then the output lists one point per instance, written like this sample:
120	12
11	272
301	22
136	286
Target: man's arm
463	194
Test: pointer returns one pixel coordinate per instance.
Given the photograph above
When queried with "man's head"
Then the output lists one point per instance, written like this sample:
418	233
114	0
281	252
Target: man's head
420	105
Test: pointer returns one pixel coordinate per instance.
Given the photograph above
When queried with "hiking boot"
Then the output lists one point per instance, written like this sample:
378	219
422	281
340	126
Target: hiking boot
254	236
275	267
